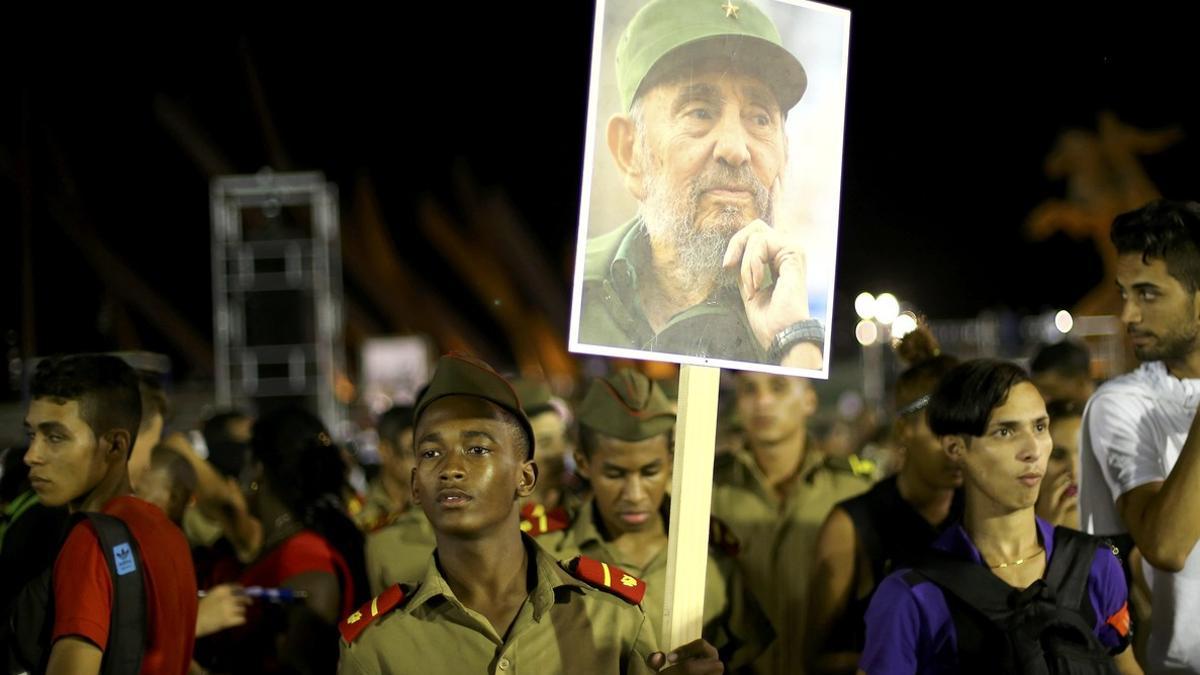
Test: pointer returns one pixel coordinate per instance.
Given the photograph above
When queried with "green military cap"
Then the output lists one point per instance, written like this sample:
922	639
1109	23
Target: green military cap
667	34
626	405
459	375
534	394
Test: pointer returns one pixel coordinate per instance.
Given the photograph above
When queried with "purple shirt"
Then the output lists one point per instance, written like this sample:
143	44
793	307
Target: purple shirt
910	630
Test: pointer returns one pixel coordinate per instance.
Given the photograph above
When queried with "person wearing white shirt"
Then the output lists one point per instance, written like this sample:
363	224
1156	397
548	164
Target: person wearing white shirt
1140	441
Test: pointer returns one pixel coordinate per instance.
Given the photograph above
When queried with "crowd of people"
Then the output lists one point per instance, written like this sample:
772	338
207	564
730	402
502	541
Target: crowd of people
993	519
1032	521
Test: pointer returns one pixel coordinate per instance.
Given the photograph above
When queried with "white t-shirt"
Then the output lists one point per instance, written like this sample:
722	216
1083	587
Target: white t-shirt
1133	429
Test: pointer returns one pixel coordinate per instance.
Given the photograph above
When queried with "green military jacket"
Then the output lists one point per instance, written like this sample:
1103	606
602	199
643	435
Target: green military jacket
778	537
734	621
565	626
398	551
612	315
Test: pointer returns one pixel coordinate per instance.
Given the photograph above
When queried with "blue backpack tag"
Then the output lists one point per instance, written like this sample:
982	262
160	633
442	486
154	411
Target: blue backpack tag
124	557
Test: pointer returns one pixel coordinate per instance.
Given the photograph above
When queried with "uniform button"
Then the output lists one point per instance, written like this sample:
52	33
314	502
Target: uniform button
504	664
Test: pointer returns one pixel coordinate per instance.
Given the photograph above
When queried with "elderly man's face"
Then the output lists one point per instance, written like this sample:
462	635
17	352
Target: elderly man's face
708	153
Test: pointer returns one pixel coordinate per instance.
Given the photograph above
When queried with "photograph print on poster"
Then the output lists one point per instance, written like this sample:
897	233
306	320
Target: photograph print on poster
709	210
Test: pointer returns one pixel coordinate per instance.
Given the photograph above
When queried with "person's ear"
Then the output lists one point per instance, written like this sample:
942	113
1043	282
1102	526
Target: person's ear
954	446
583	467
412	484
623	146
529	476
119	441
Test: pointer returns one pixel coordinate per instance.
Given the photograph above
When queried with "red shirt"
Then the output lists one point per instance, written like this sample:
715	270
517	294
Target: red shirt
305	551
83	586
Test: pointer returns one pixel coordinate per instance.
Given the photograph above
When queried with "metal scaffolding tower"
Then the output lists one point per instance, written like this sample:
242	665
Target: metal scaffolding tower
277	292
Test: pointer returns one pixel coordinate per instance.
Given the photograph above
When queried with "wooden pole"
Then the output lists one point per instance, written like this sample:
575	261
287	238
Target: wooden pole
691	502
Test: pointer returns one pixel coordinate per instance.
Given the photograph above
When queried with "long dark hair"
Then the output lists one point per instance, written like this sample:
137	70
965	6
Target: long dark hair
306	472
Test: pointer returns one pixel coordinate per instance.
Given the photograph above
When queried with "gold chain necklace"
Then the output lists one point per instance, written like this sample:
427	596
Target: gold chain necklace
1020	561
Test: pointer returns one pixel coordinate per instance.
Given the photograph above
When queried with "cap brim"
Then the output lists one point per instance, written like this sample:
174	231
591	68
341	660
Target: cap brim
755	56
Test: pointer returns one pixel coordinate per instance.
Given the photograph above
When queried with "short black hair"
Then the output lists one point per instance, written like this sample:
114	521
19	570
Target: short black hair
1067	358
1167	230
967	395
105	387
393	421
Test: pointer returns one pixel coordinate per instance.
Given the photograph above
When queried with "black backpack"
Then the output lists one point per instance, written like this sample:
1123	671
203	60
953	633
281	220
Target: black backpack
30	623
1046	629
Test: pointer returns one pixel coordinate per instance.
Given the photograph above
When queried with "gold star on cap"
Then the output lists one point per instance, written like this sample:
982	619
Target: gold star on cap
731	10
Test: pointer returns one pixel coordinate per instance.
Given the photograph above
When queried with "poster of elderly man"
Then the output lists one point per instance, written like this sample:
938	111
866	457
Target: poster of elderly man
708	218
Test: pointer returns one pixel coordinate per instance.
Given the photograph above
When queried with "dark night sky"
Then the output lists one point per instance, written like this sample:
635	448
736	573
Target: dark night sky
950	116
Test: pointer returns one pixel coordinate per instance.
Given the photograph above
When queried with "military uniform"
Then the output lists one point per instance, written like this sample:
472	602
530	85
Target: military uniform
734	621
397	550
571	623
612	314
778	536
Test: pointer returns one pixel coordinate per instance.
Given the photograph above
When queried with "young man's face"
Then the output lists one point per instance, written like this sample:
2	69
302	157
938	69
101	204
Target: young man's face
470	470
66	460
773	407
1007	464
629	480
1159	313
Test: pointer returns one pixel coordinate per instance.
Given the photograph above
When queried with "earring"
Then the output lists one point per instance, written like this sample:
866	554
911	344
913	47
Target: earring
254	486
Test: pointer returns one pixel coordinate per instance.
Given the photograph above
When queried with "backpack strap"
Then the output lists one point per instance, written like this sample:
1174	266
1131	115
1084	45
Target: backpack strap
971	583
865	527
1069	570
127	622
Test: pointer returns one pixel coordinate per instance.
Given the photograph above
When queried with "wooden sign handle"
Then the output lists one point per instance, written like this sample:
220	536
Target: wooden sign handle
691	503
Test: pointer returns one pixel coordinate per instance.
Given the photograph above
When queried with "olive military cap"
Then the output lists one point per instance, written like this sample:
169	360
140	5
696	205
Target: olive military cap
667	35
534	395
459	375
626	405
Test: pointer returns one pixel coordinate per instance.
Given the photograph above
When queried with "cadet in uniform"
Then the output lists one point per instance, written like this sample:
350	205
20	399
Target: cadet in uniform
399	538
557	489
388	494
627	425
491	600
774	494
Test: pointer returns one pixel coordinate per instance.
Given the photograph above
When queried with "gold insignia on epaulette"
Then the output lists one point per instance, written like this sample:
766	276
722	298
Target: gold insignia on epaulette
354	618
629	581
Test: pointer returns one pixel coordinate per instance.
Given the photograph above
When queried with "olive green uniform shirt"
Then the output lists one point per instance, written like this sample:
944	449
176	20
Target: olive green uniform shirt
399	552
734	621
778	538
612	314
565	626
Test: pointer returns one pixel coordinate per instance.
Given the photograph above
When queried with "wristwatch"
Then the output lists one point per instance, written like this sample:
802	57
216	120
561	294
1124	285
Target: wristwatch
808	330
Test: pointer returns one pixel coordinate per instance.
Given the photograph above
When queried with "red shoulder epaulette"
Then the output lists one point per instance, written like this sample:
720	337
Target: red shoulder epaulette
353	626
608	578
536	520
723	538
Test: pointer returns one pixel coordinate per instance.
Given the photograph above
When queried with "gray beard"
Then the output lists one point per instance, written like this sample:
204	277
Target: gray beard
671	219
